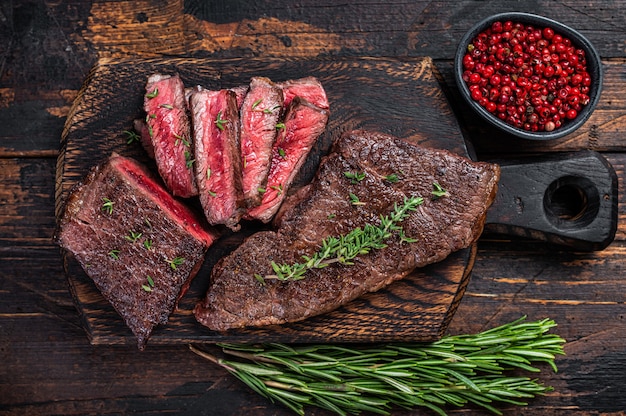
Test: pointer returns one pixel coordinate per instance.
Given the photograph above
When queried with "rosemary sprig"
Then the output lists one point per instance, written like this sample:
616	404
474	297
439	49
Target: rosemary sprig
345	248
454	371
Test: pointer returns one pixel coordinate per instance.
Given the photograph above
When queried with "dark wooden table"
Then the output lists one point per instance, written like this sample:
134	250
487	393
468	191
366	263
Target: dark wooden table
46	51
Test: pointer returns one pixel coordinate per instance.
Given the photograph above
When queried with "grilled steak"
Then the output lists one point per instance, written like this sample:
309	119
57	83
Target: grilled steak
217	155
139	245
309	88
168	126
303	124
260	111
324	208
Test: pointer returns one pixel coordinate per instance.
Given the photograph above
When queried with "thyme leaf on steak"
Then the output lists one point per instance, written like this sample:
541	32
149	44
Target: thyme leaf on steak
438	191
153	94
175	262
355	177
148	287
483	369
345	248
219	121
107	205
354	200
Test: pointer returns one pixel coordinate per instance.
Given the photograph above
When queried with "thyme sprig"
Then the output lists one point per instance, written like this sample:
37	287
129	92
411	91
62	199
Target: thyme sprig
454	371
345	248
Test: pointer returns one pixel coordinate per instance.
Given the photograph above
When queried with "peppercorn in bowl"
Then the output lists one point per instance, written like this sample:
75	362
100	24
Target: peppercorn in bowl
528	75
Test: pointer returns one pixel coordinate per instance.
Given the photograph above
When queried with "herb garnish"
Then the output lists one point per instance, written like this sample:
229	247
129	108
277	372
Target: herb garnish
256	103
150	285
107	206
271	110
280	126
354	200
392	178
175	262
131	136
438	191
278	188
153	94
188	160
219	122
147	244
133	236
179	139
345	248
481	369
355	177
114	254
167	106
281	152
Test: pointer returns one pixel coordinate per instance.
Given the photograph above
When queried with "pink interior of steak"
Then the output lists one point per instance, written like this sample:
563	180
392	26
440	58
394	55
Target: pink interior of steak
304	123
308	88
175	209
169	130
217	155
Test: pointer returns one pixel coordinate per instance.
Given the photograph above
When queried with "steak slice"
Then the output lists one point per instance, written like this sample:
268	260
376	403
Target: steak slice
168	127
309	88
235	298
303	124
260	112
217	155
139	245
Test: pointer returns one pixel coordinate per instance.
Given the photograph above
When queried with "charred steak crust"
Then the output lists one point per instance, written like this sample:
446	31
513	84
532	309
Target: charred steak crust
443	225
139	245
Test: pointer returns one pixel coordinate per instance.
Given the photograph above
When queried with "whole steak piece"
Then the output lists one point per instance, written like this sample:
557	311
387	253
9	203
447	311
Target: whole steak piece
215	118
168	127
139	245
378	171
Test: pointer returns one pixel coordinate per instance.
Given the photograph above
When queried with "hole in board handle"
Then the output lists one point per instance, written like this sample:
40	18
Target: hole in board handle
571	202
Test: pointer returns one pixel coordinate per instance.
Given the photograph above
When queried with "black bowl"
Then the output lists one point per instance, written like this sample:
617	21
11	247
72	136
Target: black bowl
594	68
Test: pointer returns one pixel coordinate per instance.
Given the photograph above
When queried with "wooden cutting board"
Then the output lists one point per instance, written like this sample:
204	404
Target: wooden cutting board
400	97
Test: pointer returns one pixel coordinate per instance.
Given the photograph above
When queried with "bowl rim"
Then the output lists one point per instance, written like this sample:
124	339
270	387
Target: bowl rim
594	67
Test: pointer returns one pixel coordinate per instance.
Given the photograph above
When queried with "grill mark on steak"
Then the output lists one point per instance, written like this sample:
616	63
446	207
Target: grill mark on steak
236	299
260	112
217	155
169	130
303	124
100	241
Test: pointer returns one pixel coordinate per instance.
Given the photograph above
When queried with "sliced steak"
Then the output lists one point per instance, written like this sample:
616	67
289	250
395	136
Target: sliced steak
168	127
139	245
236	298
260	112
309	88
217	155
240	92
303	124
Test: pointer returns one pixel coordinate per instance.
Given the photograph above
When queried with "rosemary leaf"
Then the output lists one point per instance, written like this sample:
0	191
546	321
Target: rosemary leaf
455	371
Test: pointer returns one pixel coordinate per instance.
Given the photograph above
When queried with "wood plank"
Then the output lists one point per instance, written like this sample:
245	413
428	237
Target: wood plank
370	93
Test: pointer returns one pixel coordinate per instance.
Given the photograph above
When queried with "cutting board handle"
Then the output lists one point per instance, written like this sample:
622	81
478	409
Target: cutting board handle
566	199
